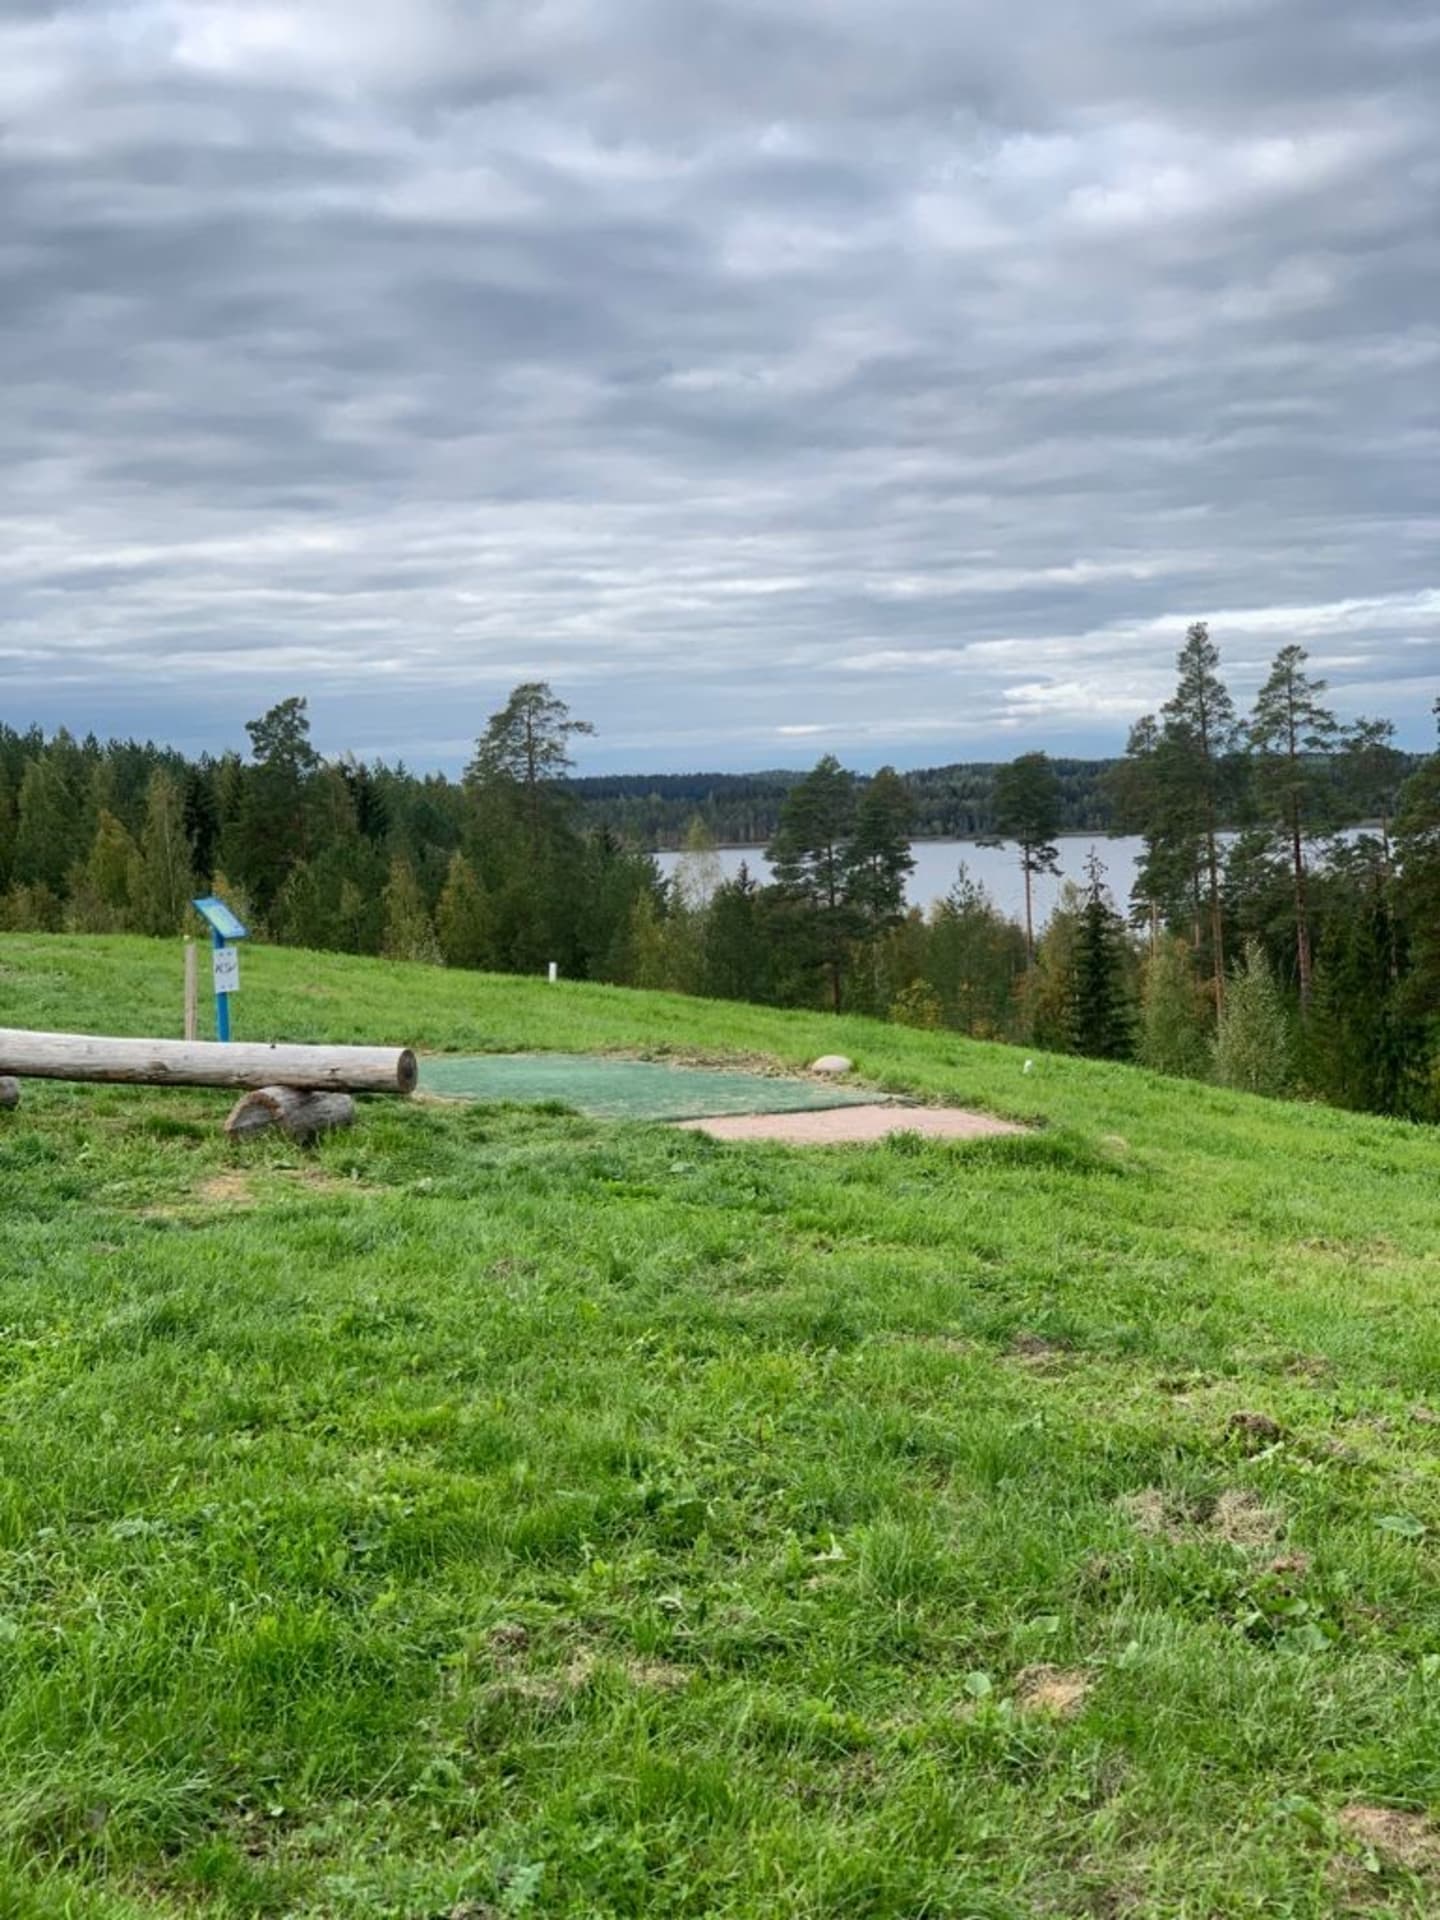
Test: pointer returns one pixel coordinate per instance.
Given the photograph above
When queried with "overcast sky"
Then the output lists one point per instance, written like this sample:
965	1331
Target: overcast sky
773	376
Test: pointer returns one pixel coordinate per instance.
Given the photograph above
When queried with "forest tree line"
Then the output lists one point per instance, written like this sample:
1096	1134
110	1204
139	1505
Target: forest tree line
954	802
1260	947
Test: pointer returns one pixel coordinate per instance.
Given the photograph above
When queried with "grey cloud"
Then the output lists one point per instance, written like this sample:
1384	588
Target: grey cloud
749	367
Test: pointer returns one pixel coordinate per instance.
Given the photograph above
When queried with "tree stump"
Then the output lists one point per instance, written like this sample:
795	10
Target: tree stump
9	1094
292	1110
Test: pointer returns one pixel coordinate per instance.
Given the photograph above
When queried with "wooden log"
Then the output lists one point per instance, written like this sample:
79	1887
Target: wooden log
293	1110
9	1094
205	1063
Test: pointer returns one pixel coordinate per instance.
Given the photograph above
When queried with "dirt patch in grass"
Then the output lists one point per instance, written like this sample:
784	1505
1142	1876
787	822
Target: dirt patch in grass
1253	1430
1051	1690
1041	1355
1243	1520
1236	1516
852	1126
1400	1839
229	1189
509	1643
1149	1512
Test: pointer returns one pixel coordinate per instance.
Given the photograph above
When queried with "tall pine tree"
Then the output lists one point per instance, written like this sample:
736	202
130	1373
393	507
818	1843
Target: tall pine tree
1293	738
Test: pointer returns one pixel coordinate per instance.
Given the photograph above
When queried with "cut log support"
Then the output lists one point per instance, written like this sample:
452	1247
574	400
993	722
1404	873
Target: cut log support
9	1094
205	1063
294	1111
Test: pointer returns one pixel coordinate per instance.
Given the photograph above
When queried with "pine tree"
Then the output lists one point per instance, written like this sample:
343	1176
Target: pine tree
269	834
880	861
810	859
161	884
1101	1023
1199	734
1252	1043
1372	772
1177	1026
1148	789
1293	738
527	745
463	918
409	934
1027	811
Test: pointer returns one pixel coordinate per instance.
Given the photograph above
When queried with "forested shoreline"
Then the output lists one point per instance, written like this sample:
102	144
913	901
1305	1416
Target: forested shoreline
1259	947
955	802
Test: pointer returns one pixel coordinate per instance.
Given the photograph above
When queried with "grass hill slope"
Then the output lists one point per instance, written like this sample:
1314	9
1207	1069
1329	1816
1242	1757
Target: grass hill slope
498	1512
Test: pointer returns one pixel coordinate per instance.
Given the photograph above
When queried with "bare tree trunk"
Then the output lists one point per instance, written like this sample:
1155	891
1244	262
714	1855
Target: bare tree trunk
1029	915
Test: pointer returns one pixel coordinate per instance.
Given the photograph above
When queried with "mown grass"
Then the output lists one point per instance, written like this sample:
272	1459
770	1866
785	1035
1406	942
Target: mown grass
495	1513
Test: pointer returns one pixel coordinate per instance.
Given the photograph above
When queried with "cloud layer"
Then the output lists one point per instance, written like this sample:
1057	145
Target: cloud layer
769	374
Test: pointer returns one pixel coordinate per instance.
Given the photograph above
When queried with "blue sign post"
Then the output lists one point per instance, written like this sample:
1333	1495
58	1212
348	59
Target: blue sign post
224	927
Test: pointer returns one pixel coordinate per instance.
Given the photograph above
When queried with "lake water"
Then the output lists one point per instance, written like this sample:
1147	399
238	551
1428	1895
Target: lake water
997	869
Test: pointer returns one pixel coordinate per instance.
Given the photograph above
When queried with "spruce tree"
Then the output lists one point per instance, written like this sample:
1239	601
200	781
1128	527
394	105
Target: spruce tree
409	934
1101	1023
975	955
463	919
49	824
1177	1025
736	959
1363	1047
100	888
1253	1050
162	884
1417	853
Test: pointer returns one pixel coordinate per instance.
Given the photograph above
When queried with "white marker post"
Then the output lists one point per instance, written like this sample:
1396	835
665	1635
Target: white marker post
554	972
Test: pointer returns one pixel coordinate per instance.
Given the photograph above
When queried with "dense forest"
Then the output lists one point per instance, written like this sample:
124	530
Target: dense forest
1260	947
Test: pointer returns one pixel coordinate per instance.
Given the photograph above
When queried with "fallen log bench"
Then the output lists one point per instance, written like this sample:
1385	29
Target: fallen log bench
205	1063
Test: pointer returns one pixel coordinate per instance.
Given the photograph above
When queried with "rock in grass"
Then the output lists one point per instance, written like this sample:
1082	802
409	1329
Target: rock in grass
9	1093
831	1063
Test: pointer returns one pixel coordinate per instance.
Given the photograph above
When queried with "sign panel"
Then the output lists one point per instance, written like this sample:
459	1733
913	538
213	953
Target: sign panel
219	918
227	969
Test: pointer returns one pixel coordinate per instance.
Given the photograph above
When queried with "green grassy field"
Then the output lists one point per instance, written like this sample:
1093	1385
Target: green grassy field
496	1512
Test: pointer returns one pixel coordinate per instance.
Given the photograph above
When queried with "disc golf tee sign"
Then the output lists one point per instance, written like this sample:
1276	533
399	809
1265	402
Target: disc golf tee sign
224	928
